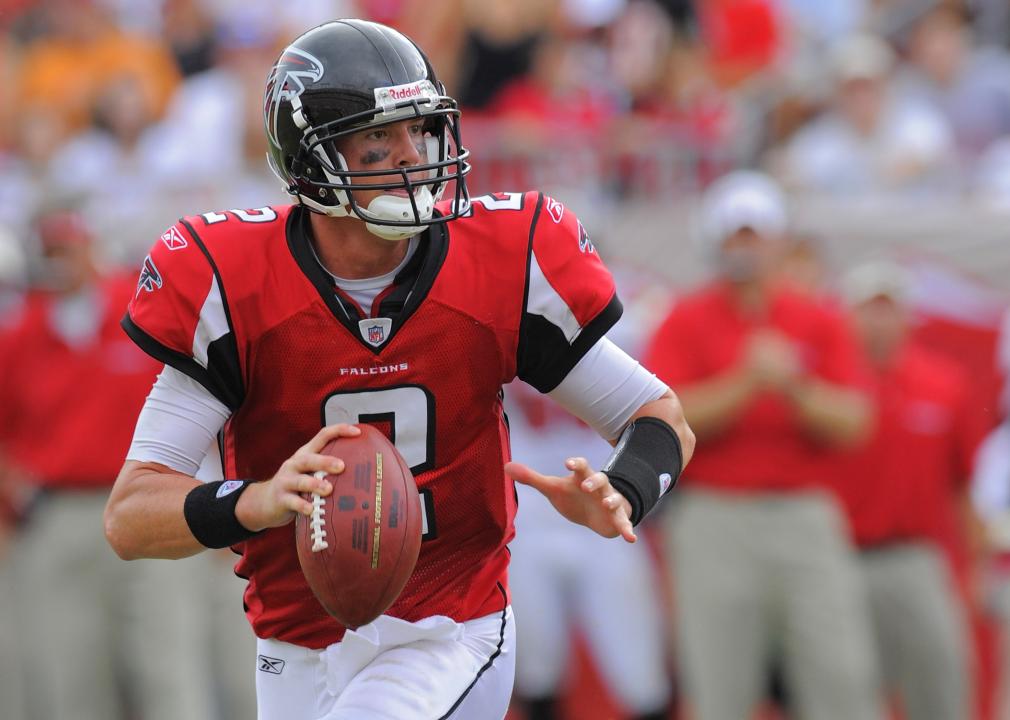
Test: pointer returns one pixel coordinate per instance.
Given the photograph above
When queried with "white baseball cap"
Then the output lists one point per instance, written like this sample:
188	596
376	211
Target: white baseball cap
861	56
739	200
878	278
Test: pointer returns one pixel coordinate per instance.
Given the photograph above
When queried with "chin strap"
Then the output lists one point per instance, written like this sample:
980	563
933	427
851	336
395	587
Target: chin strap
394	207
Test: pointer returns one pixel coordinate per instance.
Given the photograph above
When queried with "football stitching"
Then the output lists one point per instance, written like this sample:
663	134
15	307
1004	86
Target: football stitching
318	531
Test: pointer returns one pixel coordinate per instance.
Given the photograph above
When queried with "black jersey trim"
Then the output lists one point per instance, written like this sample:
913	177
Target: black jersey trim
490	660
521	348
548	370
413	283
181	362
545	370
222	354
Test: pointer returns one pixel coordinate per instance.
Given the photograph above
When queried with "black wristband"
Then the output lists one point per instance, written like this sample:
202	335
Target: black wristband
645	464
210	513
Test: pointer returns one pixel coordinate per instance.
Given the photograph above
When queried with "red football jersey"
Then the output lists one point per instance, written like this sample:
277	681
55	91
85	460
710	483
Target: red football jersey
238	301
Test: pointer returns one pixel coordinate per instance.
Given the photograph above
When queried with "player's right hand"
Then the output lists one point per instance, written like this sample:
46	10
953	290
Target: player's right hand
275	502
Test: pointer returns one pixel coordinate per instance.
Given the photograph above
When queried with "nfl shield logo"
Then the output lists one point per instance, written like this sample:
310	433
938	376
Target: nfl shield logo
375	331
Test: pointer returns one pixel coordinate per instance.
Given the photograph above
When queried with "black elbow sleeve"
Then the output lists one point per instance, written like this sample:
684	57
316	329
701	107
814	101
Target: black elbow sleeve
645	464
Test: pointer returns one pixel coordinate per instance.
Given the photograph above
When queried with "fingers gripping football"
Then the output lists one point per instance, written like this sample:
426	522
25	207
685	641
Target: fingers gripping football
276	502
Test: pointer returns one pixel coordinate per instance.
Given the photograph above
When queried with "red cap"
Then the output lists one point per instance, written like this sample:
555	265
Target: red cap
61	228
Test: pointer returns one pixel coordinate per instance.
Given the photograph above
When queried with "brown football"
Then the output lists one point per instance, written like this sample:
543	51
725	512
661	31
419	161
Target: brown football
361	544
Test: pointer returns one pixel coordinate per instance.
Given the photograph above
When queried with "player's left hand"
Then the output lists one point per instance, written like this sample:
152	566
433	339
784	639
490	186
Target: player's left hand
585	497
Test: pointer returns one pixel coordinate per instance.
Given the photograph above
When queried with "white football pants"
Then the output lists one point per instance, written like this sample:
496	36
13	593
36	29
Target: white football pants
391	669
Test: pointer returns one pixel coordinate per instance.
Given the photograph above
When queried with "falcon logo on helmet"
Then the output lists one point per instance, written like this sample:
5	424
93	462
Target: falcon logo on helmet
286	83
350	75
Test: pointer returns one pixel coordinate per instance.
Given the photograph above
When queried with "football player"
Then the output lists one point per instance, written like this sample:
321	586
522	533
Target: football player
369	300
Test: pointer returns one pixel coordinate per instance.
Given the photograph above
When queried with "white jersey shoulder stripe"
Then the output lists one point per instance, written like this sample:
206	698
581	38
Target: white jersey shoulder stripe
212	325
544	301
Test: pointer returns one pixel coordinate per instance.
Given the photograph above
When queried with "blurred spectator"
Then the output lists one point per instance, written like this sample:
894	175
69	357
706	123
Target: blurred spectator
991	20
824	22
13	277
561	93
743	37
111	169
992	176
762	567
71	384
437	27
671	89
990	489
199	150
63	71
640	40
906	491
804	265
552	120
273	18
871	142
24	167
188	27
969	85
563	578
501	39
230	642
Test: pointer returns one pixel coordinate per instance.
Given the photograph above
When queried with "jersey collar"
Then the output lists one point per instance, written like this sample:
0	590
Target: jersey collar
410	286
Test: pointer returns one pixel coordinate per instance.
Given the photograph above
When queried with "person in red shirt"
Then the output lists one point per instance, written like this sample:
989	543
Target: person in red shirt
906	491
370	300
13	278
762	568
71	384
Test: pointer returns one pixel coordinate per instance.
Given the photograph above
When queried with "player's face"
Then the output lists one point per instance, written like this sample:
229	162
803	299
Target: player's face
394	146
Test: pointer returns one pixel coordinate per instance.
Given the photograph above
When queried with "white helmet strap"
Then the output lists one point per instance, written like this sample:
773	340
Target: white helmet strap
386	207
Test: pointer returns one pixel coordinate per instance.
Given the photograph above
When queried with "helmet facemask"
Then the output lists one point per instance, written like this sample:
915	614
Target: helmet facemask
319	177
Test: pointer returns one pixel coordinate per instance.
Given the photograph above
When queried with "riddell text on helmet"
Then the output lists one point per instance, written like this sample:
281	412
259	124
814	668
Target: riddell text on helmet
405	93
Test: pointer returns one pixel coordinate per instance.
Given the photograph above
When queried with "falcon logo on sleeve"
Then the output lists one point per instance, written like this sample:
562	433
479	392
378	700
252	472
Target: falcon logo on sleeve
150	279
585	244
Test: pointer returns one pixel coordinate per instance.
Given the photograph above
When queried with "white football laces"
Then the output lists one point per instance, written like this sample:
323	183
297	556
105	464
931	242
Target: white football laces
318	531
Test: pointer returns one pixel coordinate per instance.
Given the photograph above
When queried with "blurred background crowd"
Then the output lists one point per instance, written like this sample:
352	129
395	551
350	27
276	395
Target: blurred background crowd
879	131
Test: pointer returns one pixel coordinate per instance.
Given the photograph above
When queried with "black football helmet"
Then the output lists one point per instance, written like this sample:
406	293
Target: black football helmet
344	76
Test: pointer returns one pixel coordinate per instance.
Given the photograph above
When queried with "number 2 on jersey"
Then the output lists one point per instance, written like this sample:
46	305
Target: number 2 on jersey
406	414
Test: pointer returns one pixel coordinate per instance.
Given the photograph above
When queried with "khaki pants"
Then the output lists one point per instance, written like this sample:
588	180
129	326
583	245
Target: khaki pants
95	628
11	677
920	628
232	642
762	576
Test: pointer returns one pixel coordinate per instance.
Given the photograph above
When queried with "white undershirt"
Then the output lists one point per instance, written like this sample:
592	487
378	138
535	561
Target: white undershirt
365	291
181	418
